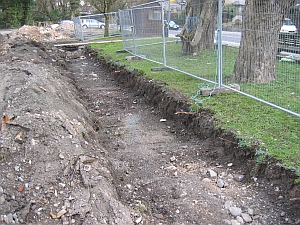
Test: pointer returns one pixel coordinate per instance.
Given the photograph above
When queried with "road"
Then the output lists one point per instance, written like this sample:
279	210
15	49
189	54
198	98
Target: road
3	32
230	38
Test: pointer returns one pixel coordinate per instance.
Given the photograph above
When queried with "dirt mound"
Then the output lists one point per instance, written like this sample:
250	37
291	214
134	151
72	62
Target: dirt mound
47	174
48	33
66	29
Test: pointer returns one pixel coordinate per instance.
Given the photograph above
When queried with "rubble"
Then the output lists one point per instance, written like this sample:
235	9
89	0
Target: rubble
48	33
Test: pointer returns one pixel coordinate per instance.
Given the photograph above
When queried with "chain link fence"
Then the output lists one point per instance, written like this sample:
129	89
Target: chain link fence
265	63
241	53
96	26
142	30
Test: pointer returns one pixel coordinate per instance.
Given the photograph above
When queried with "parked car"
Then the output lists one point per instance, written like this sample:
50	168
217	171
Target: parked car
66	21
288	27
92	23
172	25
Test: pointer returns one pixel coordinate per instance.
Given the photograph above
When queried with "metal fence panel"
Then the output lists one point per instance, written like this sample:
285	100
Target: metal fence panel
92	27
146	33
201	64
127	30
282	90
141	28
78	29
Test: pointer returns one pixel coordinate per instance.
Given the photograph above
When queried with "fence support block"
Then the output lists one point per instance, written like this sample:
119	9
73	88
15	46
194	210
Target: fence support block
121	51
162	68
132	58
221	90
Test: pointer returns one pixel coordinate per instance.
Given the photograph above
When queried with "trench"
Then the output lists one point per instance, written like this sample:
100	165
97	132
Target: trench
141	147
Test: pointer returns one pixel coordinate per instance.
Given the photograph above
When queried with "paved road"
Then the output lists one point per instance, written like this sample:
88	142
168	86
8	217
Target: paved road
3	32
232	38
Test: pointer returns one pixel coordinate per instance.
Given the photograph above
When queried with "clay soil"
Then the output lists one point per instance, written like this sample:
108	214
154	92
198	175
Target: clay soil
84	142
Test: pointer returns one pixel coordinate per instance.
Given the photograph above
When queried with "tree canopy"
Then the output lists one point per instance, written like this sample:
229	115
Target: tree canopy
15	12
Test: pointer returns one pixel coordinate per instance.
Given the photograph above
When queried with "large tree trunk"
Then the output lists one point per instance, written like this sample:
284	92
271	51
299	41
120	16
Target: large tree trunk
199	30
106	28
262	20
104	6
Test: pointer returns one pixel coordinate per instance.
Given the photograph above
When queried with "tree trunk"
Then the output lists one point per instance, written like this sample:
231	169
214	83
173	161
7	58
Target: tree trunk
104	6
106	28
256	61
199	30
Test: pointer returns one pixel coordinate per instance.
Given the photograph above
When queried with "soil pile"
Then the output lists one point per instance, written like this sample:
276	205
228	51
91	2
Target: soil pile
48	33
47	176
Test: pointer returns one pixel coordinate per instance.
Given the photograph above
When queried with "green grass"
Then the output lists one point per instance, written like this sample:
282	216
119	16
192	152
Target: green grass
277	132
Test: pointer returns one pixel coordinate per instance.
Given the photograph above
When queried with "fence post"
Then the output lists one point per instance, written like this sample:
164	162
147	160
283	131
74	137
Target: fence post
219	42
133	32
121	24
81	32
163	33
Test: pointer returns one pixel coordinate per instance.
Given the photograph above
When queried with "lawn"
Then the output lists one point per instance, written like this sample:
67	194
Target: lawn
277	132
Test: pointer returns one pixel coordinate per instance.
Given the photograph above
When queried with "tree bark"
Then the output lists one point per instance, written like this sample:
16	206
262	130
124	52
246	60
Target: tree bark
104	6
262	19
106	28
199	30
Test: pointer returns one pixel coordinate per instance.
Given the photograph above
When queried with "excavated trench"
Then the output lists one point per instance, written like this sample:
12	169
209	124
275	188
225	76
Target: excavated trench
220	146
92	143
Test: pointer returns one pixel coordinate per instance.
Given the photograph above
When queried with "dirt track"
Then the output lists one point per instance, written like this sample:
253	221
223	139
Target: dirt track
83	142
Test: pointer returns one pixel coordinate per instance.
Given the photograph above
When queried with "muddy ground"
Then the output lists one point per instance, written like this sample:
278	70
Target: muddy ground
86	142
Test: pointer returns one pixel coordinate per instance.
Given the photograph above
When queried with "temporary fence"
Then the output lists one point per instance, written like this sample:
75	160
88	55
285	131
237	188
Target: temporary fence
142	30
91	27
254	51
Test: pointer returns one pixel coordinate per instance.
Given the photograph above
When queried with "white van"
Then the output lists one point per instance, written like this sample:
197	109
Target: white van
288	27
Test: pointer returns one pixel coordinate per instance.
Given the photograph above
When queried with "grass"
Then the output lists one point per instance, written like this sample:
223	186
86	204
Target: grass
277	132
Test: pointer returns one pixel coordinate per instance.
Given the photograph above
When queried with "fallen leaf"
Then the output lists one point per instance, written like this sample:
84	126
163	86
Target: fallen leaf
53	215
5	118
61	212
18	138
72	184
3	124
20	188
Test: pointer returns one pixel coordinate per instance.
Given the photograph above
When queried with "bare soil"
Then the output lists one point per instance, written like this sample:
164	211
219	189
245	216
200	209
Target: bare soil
86	142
